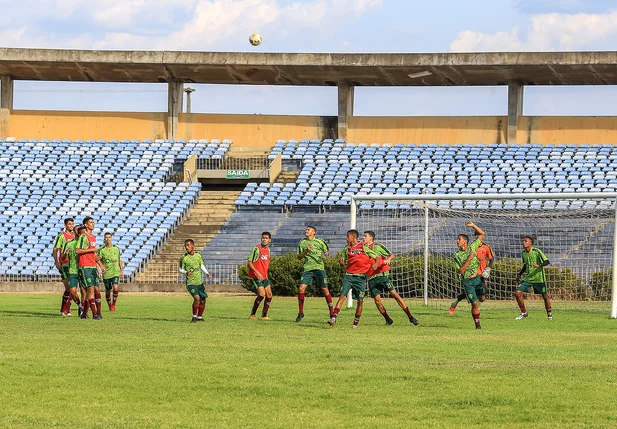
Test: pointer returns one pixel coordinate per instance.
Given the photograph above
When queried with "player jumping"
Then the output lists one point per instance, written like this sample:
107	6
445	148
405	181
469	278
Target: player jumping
534	261
258	263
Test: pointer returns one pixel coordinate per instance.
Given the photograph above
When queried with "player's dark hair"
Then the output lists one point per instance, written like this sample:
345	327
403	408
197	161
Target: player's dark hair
80	229
87	219
465	237
67	220
312	227
371	233
266	233
188	240
529	237
108	233
354	232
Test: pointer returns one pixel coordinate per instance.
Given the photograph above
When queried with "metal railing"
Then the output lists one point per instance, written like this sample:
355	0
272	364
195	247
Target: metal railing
232	163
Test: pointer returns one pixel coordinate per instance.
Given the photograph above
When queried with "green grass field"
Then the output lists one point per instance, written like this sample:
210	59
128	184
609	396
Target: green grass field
146	366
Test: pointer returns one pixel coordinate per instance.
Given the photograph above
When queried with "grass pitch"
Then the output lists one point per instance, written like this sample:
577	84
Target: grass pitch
146	366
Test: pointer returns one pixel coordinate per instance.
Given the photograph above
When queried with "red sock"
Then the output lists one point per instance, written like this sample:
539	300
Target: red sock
329	301
256	304
67	306
115	298
92	303
84	309
97	300
356	320
523	309
301	302
335	312
195	309
476	318
202	307
108	297
407	312
264	312
65	298
384	313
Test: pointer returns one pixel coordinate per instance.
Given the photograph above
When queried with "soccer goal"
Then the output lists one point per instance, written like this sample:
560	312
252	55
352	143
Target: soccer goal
576	231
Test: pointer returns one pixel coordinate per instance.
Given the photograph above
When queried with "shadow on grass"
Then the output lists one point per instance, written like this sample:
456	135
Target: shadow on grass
31	314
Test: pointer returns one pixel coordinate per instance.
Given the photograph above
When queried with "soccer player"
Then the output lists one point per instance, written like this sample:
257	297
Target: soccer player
467	264
379	280
534	261
258	263
110	256
312	250
358	258
88	268
484	254
62	264
68	253
192	264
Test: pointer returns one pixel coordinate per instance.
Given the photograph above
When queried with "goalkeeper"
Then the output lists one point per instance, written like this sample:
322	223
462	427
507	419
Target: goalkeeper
467	264
486	258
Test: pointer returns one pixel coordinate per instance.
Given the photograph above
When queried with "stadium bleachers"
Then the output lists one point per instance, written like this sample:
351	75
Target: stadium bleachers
332	171
123	185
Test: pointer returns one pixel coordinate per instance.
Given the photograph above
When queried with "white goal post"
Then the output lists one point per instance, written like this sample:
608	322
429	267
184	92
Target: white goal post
575	230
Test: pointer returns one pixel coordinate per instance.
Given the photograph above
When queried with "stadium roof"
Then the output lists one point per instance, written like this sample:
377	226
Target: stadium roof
446	69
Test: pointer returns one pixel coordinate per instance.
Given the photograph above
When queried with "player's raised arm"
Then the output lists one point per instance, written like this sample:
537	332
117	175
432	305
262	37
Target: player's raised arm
477	229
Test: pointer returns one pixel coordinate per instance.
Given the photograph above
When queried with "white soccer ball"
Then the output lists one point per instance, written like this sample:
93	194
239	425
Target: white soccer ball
255	39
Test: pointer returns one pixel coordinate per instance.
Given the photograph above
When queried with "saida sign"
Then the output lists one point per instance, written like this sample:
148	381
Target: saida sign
237	174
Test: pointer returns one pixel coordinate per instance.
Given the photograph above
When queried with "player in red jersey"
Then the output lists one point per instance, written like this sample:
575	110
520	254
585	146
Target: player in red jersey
62	263
89	264
358	258
258	264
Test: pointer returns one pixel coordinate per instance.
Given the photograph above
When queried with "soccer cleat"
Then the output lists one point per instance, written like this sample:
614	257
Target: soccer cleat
113	308
414	321
69	314
200	319
252	317
332	321
354	326
63	314
300	317
389	322
264	318
478	327
97	317
521	316
451	310
550	317
84	316
194	319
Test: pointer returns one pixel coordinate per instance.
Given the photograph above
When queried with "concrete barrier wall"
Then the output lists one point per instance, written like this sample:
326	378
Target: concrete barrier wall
26	287
264	130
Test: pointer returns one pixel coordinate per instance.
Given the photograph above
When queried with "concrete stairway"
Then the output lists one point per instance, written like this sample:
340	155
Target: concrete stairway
288	177
211	211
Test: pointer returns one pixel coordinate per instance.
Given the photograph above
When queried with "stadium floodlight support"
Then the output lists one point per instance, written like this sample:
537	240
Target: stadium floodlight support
425	199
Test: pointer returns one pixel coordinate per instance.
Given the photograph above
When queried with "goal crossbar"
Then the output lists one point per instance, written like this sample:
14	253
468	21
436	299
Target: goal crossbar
479	197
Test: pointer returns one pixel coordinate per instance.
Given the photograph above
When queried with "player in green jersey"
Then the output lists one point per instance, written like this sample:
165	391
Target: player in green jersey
110	256
379	279
61	262
69	253
534	261
311	251
192	264
467	264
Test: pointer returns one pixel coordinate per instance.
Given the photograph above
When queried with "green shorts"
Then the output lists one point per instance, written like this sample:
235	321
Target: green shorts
73	281
64	272
538	288
109	283
317	276
379	285
357	285
256	284
197	290
473	288
89	276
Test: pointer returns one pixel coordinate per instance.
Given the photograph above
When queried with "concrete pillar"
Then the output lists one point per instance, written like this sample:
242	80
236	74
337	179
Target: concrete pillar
174	107
6	104
345	107
515	109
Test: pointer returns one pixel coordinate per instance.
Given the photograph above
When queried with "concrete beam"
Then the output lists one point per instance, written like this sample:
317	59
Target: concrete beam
515	109
345	107
174	107
6	104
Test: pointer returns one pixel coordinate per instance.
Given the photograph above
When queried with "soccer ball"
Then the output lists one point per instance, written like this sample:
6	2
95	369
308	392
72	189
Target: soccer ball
255	39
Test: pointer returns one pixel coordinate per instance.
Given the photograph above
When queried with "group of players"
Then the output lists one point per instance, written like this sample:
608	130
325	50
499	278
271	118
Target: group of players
82	265
367	267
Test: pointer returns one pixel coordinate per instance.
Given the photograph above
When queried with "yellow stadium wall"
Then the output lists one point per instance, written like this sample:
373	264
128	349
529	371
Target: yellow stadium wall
264	130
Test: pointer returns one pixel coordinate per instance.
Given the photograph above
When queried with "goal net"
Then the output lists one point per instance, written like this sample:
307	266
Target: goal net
575	231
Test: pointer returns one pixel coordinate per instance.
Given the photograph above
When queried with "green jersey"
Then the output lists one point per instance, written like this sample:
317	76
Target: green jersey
192	263
110	257
70	247
531	258
460	257
313	259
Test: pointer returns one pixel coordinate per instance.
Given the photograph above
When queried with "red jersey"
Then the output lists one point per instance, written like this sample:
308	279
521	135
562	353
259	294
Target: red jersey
63	238
484	253
382	254
260	258
87	241
359	258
